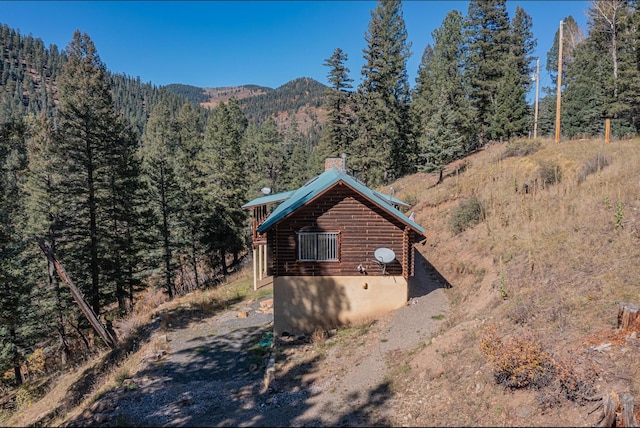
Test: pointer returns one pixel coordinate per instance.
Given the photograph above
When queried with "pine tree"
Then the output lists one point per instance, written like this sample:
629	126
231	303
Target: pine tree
440	107
225	186
158	165
610	25
488	47
15	286
190	176
264	145
43	215
125	218
629	70
338	133
296	171
383	150
89	128
520	68
584	101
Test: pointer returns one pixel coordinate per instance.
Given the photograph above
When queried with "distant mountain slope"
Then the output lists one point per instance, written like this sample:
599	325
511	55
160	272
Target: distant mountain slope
216	95
28	85
302	98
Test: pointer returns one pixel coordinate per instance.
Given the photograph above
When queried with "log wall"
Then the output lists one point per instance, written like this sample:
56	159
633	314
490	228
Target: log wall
363	227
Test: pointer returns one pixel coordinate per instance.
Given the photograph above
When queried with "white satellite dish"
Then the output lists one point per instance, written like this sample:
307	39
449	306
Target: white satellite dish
266	190
384	255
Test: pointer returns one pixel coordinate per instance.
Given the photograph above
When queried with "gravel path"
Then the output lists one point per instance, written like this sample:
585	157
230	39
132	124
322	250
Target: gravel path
361	397
210	373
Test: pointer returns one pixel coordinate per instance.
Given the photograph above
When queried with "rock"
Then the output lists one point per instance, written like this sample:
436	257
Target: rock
101	406
100	418
243	314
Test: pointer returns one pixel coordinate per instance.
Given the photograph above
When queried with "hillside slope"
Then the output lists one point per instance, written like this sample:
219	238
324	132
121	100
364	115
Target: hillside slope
301	100
535	285
530	337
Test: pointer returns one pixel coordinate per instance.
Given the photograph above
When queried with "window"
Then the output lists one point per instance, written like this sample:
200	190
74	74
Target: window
318	246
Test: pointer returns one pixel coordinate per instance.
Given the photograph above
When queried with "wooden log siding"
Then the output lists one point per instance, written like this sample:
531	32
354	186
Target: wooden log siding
362	228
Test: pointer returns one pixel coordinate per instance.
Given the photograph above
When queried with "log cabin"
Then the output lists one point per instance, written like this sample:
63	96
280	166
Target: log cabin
336	251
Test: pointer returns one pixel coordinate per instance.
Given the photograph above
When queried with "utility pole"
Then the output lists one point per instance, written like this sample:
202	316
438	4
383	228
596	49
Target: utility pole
535	115
559	84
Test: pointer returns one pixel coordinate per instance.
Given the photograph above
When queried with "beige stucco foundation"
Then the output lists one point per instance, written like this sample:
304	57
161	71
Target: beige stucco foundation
304	303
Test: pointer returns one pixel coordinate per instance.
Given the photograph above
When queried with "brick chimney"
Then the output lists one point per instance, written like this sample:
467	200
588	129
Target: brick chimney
340	163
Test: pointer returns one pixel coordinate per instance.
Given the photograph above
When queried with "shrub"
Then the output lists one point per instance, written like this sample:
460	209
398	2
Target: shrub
550	173
521	148
570	383
518	362
465	215
594	164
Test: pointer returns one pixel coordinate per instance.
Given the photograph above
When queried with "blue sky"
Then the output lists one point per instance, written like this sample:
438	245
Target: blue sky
267	43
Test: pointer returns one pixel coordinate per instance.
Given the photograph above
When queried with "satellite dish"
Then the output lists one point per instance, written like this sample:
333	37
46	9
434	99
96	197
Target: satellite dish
384	255
266	190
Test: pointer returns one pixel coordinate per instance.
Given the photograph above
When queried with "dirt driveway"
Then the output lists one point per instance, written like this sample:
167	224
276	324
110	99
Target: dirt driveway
210	372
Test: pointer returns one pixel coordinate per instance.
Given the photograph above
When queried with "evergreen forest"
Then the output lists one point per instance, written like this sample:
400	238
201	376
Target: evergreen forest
134	186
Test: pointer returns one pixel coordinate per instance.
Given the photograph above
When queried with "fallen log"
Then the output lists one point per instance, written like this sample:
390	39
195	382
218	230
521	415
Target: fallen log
109	339
5	400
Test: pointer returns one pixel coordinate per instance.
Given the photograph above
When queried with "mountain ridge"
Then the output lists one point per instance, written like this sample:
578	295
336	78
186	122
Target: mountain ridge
300	100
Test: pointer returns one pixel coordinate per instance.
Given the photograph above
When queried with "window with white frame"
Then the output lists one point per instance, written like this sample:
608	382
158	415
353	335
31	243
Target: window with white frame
318	246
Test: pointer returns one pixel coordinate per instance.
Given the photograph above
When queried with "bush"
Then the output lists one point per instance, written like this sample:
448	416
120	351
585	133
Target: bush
595	164
521	148
467	214
550	173
518	362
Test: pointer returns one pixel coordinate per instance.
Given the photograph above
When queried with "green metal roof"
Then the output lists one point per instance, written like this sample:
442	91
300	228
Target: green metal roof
276	197
324	181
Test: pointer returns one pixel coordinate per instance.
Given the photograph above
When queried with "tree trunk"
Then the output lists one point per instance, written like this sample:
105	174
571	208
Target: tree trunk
628	316
610	404
16	357
627	415
166	242
223	262
62	333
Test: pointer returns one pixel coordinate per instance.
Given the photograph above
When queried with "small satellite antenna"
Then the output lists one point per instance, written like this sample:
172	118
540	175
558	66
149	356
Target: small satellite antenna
266	190
384	255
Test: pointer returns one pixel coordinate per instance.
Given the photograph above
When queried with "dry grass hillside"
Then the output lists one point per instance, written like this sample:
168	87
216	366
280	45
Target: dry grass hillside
537	274
532	334
218	95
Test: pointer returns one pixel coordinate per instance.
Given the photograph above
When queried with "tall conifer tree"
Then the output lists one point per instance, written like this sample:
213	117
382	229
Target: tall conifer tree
339	130
190	175
43	215
383	149
90	130
15	286
158	164
488	46
440	106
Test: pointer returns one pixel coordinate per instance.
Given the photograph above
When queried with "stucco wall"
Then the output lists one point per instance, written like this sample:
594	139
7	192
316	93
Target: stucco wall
304	303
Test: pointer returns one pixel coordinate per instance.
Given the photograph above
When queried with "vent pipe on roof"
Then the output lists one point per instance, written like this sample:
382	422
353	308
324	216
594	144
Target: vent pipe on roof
344	162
